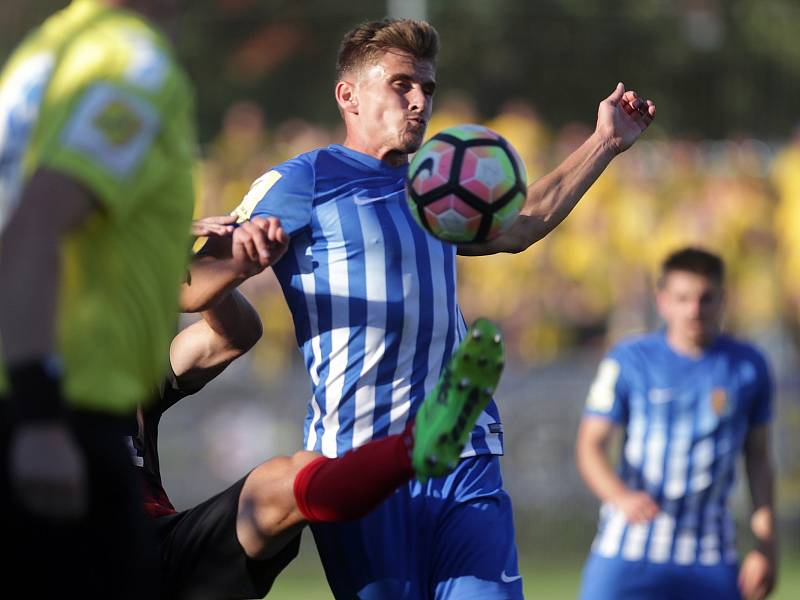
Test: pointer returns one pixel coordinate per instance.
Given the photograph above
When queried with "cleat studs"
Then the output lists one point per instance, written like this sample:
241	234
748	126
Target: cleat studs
464	383
431	460
476	334
497	339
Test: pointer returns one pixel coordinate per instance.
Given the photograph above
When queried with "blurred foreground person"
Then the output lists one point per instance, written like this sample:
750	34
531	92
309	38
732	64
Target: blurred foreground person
233	545
689	400
96	151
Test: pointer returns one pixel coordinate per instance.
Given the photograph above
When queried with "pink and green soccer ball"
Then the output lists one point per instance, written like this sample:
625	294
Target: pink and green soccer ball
466	184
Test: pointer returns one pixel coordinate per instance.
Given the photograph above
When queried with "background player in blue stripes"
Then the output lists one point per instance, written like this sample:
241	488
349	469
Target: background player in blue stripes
373	298
690	400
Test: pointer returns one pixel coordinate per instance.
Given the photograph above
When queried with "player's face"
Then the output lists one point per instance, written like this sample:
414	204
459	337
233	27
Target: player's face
691	305
395	101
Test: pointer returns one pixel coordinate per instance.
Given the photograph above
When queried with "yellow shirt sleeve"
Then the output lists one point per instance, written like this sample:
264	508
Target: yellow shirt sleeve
107	120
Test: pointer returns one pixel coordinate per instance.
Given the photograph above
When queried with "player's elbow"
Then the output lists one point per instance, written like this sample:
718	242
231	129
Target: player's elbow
247	336
580	462
587	448
190	302
255	332
510	243
524	234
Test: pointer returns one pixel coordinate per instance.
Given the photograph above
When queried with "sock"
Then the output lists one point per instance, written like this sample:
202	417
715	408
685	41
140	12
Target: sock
351	485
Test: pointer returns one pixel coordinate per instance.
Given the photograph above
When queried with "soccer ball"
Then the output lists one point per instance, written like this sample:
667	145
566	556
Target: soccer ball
466	184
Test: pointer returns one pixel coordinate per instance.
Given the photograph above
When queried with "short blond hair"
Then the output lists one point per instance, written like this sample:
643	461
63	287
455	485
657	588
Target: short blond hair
370	40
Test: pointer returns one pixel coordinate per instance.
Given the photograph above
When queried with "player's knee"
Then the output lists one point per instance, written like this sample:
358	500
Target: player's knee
301	459
267	506
267	499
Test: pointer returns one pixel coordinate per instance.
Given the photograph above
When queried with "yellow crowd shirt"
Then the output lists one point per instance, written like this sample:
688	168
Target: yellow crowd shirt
95	93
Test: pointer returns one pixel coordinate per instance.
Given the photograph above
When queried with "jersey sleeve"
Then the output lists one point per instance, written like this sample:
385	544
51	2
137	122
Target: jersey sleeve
609	395
285	192
119	125
763	392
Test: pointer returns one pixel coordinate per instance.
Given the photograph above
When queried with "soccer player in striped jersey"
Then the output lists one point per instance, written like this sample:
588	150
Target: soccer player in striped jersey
690	400
235	544
373	298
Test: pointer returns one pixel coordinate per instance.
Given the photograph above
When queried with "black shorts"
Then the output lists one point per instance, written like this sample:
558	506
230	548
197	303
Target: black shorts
110	553
203	560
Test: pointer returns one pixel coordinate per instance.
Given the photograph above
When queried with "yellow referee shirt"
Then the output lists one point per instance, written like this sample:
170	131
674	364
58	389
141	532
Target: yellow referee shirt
95	93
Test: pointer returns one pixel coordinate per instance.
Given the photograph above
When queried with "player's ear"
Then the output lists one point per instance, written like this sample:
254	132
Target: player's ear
346	97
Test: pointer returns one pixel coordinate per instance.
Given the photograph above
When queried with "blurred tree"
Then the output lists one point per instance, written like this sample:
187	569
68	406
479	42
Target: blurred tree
715	67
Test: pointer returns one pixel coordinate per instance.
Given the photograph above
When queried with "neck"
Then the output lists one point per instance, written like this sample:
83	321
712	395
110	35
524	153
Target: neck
390	156
688	346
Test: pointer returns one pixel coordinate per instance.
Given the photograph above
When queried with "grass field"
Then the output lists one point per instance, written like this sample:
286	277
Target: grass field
303	579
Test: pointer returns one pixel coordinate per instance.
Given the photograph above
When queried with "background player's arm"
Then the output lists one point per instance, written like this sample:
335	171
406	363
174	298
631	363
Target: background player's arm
621	119
758	570
202	350
591	453
226	261
47	467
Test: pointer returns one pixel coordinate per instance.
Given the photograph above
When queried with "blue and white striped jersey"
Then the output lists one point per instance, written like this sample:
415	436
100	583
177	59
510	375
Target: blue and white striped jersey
372	295
685	421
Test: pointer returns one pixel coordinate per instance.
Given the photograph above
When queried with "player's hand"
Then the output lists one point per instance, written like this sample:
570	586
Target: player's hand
622	117
259	243
637	506
48	470
214	226
756	575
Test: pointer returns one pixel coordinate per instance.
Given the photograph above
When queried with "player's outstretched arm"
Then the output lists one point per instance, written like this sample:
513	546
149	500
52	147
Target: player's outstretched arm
228	259
621	119
591	453
757	574
204	349
47	467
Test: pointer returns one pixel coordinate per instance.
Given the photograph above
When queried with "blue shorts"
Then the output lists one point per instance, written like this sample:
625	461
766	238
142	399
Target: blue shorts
450	538
618	579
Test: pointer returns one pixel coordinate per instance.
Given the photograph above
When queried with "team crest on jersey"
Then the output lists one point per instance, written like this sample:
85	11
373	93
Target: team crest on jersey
113	127
719	400
118	123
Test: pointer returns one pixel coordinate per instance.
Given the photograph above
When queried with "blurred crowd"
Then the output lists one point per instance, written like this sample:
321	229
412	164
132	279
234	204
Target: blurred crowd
591	281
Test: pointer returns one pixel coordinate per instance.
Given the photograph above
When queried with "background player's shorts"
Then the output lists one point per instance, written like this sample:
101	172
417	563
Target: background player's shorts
450	538
615	578
202	557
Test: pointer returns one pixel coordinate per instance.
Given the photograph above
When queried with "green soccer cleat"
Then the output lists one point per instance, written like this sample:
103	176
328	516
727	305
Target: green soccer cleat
449	412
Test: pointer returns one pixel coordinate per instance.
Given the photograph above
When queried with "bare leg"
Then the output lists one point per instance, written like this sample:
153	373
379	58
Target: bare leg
268	515
283	494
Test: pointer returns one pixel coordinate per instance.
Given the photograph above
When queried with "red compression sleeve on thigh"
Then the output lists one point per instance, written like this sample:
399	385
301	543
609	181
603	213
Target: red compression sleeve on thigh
350	486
